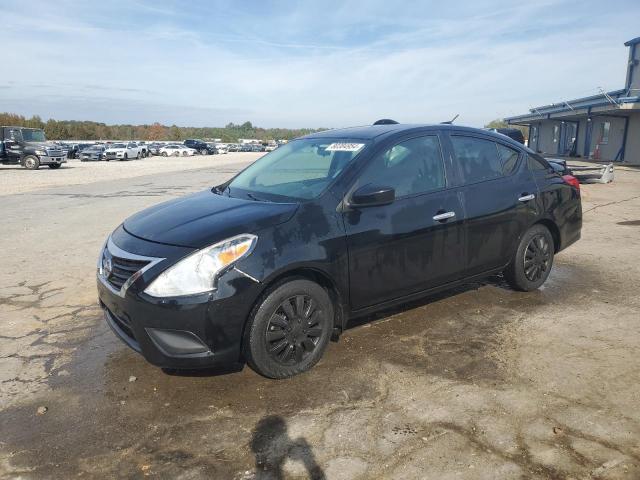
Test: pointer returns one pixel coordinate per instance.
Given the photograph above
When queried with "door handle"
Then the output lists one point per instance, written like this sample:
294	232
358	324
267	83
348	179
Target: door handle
444	216
526	198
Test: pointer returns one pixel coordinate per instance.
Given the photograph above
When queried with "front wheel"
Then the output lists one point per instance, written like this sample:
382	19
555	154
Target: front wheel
31	162
53	166
126	157
138	156
289	330
531	265
164	154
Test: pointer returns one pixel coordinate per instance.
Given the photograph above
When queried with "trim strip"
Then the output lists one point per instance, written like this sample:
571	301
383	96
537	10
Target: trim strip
118	252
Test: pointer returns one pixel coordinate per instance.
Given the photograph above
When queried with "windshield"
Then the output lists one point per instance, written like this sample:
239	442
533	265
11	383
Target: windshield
118	145
29	135
301	169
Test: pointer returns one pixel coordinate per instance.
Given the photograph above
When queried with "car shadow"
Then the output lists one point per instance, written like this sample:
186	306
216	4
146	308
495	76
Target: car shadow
495	280
272	447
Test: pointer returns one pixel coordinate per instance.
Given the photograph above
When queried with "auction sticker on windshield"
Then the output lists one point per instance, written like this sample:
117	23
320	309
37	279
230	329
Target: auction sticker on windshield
344	147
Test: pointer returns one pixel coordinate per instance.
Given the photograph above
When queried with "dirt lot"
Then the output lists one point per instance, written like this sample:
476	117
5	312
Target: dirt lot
482	382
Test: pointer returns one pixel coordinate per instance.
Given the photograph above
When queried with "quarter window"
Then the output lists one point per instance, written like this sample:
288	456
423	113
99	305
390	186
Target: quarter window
536	162
411	167
509	158
477	158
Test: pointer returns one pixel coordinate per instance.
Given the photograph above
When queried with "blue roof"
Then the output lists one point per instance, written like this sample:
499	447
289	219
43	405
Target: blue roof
633	41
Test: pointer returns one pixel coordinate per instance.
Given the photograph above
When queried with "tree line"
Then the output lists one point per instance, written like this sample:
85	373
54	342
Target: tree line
85	130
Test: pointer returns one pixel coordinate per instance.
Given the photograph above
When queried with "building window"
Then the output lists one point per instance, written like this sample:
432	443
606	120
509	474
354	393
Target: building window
604	132
556	133
533	137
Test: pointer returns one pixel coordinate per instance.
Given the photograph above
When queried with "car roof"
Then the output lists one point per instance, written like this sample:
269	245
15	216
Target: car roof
370	132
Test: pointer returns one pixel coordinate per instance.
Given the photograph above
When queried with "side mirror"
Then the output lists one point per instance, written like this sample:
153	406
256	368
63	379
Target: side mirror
372	195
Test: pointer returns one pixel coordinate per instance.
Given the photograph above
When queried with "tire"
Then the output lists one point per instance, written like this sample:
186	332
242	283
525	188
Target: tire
164	154
203	152
176	154
125	157
289	329
185	153
138	156
31	162
533	260
54	166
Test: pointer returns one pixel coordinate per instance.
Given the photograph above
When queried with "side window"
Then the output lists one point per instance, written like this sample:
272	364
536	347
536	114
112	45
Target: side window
477	158
509	159
410	167
536	162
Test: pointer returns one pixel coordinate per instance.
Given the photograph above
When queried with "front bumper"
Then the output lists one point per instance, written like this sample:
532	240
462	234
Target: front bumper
47	160
199	331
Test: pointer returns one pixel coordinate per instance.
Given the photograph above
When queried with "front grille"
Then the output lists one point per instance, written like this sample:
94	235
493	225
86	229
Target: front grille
54	152
122	269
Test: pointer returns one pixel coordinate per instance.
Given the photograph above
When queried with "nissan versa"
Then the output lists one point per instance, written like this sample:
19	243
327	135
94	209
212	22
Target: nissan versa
270	265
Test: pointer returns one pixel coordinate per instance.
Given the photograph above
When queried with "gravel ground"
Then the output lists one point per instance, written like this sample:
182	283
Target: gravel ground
479	383
16	179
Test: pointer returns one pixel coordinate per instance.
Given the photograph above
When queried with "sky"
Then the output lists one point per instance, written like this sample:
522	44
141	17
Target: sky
312	64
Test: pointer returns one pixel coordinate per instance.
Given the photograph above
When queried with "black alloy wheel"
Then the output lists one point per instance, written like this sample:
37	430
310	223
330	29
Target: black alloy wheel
289	328
294	330
533	259
537	258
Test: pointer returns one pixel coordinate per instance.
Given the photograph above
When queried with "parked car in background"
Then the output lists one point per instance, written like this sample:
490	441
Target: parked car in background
233	147
175	150
221	147
271	147
28	147
246	147
512	133
144	149
257	147
122	151
93	153
154	148
270	265
201	147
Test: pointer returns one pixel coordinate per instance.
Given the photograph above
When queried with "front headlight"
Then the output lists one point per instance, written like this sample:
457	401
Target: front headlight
41	152
198	272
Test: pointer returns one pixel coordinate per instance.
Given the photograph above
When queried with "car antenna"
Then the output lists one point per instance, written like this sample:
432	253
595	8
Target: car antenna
451	121
385	121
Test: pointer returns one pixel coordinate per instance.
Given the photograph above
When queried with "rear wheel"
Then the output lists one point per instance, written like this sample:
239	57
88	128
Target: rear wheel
289	330
533	260
31	162
164	154
185	153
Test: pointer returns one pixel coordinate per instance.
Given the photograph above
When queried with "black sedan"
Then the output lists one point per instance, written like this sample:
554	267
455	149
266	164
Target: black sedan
269	266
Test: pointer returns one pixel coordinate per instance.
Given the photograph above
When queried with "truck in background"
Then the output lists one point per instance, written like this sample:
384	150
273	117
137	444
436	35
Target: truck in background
28	147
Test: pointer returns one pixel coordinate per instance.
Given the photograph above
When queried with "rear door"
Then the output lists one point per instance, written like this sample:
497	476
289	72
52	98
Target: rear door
499	197
400	248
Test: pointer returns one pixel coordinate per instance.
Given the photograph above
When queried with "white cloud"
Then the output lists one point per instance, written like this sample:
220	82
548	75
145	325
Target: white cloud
315	65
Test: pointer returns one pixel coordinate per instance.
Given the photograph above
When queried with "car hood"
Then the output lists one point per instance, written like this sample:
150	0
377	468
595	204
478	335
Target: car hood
205	218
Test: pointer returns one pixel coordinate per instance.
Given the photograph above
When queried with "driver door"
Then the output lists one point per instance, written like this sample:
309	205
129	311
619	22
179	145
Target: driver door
414	243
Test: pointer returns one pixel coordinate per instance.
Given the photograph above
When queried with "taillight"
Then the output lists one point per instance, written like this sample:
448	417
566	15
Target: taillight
571	180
